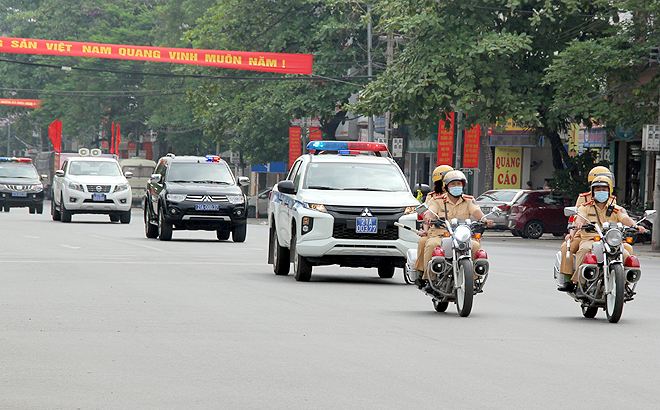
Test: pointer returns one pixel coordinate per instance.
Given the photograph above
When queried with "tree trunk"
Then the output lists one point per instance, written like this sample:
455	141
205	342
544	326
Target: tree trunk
488	158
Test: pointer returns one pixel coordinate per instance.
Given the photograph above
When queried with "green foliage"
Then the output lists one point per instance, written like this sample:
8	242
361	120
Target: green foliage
572	180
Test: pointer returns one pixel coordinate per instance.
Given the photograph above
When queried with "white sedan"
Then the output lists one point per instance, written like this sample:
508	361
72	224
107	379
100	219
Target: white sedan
91	185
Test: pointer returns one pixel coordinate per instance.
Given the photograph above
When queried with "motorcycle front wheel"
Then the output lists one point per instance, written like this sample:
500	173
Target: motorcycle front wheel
614	294
464	285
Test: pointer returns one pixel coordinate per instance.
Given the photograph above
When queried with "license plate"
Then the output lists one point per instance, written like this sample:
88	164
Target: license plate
366	225
485	209
207	207
98	197
19	194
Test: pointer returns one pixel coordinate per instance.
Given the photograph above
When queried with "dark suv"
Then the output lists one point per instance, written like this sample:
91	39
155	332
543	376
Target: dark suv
538	212
195	193
20	185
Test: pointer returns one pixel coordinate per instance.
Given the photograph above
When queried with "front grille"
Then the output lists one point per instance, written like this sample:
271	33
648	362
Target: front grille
20	188
357	210
91	201
340	231
206	198
221	212
99	189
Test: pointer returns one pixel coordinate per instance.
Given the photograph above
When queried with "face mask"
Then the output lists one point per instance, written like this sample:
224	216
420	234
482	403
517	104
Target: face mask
601	196
456	190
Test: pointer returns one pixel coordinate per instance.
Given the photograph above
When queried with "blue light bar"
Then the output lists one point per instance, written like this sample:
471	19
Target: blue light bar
213	158
346	146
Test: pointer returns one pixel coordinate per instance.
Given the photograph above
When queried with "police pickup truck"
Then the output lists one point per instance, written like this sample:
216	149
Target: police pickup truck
338	205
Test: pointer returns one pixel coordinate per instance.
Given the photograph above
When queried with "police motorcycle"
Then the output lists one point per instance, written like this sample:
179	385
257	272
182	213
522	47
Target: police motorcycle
609	282
452	264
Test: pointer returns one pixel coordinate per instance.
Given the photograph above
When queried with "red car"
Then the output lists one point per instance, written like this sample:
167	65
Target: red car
539	212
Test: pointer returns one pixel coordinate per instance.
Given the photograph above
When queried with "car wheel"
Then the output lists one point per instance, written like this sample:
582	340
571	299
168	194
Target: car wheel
6	208
515	232
164	227
386	272
39	208
114	218
64	214
31	210
251	212
238	233
281	255
302	269
222	234
54	213
150	230
125	217
533	229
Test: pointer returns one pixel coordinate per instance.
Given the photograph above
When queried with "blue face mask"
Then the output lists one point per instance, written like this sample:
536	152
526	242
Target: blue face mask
601	196
456	190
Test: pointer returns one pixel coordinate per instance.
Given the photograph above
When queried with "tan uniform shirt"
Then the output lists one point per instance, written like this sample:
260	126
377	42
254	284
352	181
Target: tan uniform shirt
586	197
594	214
441	205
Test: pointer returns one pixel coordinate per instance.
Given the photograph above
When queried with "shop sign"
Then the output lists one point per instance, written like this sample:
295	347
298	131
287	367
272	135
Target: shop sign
595	138
507	167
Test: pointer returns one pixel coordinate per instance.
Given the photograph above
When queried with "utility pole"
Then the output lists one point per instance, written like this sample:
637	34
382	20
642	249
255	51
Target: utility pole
390	57
8	137
369	70
655	233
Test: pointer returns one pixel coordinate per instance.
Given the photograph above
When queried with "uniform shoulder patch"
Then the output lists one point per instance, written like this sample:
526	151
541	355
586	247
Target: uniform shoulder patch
468	196
585	194
588	203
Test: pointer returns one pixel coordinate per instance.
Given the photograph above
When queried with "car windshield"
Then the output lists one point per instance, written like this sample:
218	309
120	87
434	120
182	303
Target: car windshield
352	176
503	196
18	171
97	168
203	172
139	171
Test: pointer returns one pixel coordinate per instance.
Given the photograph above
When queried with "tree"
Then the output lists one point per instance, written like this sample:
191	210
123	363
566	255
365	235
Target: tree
482	58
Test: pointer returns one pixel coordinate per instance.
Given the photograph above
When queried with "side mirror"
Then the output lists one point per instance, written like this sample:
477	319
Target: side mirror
497	210
570	210
424	188
649	213
44	177
286	187
243	181
128	175
155	178
59	173
421	208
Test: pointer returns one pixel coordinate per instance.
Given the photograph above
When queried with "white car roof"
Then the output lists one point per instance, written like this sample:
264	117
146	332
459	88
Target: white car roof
92	159
364	159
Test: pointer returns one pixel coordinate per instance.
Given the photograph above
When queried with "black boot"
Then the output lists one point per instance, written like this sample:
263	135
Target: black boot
567	287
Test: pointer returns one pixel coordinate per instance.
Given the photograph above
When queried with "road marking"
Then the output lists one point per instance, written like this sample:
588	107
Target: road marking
31	237
70	247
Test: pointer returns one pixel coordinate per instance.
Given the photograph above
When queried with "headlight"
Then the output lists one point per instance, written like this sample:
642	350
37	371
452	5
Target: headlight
121	187
175	197
77	187
410	209
38	188
235	199
462	233
318	207
614	237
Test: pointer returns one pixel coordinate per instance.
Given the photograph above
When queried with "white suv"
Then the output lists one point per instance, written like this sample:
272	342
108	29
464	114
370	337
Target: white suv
91	185
338	205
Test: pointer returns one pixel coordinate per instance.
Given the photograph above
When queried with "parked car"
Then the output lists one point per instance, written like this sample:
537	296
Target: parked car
539	212
503	198
260	202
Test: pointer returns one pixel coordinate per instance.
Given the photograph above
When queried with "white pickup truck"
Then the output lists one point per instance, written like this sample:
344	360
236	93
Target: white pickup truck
338	205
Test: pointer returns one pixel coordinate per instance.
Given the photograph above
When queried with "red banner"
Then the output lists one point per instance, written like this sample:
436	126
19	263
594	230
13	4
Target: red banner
55	135
471	147
112	140
117	138
446	142
315	134
241	60
294	144
21	103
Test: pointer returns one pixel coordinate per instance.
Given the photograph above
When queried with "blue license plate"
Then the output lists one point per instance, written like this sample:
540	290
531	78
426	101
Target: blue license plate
98	197
207	207
19	194
366	225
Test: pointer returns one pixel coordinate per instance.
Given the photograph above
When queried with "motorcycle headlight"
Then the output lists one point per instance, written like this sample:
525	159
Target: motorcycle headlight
462	233
176	197
235	199
77	187
614	237
121	187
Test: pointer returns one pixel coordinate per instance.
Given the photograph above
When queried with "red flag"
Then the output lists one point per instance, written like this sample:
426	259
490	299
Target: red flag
112	143
117	138
55	135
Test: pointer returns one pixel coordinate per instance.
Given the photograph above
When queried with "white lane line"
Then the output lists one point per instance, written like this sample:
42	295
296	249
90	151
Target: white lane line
70	247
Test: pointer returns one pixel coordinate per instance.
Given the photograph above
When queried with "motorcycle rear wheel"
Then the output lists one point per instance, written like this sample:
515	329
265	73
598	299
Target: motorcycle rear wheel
464	284
614	294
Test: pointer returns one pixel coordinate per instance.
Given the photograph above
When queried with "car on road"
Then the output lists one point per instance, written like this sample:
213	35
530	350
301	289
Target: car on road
338	205
91	185
538	212
259	202
502	198
195	193
20	185
142	169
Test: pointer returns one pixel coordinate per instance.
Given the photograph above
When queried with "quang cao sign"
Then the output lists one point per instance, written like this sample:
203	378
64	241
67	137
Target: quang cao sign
508	161
240	60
